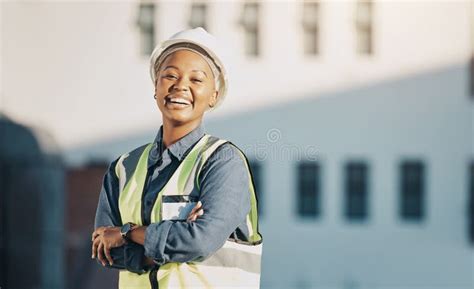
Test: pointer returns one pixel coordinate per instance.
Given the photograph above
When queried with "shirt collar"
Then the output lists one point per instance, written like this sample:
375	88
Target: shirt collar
179	148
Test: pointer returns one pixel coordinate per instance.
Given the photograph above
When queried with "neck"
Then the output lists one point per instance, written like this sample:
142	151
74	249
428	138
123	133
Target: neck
173	132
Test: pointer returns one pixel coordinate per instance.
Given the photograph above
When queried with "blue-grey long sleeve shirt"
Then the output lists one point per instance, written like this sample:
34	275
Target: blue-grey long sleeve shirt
224	193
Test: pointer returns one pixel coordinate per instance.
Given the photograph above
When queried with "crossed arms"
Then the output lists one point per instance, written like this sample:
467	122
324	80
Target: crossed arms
224	205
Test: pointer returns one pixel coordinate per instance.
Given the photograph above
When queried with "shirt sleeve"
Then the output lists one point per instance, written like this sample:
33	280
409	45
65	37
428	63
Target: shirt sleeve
225	200
131	255
108	213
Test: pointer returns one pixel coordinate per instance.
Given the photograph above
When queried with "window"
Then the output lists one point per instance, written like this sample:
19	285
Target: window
146	24
364	27
356	191
311	27
308	204
198	15
249	22
256	169
471	204
412	185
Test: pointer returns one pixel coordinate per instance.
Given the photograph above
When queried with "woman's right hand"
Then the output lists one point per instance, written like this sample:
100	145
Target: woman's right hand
195	212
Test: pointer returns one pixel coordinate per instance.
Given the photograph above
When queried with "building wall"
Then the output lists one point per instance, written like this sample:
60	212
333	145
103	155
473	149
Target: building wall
31	209
82	189
83	57
74	68
426	116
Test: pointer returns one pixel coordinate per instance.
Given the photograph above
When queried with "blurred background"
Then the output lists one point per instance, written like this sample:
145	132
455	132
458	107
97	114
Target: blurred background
357	118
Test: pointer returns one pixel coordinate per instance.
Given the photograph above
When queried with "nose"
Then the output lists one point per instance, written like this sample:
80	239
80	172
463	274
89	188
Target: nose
180	85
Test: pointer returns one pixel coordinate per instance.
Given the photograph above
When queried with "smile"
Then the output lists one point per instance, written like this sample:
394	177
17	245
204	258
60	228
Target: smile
177	102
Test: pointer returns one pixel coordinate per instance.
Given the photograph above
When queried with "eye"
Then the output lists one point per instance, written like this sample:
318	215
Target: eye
170	76
196	80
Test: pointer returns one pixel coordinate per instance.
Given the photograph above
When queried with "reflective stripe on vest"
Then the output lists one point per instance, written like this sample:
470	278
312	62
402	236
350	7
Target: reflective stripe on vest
235	265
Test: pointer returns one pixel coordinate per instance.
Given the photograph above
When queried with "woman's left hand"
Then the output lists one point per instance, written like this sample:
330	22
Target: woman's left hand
195	212
104	239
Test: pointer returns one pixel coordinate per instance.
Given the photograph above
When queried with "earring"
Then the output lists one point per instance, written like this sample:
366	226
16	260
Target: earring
154	96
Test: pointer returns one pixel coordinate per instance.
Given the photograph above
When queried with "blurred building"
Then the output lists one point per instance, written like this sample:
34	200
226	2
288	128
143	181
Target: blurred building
31	208
82	187
357	118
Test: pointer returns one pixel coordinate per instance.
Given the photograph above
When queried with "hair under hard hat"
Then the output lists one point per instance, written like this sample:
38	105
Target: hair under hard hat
201	42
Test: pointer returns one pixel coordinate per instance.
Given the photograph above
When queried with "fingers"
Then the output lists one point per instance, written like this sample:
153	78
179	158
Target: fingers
101	245
196	208
98	231
199	213
100	253
107	255
193	217
95	244
94	235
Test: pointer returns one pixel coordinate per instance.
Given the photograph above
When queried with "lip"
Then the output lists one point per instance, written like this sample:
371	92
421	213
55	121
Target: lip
183	99
176	106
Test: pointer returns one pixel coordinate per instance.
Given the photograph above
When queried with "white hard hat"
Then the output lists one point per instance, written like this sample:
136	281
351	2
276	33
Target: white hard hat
208	44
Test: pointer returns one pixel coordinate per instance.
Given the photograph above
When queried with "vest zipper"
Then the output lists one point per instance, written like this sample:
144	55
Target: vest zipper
153	280
145	188
154	272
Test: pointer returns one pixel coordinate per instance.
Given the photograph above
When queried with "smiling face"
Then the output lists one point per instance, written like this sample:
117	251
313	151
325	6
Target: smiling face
184	88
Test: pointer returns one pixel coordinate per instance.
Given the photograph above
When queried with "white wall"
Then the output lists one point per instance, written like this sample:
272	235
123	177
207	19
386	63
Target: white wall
426	116
73	68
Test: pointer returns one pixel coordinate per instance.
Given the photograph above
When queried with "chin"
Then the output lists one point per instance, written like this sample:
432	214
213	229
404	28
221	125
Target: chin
178	117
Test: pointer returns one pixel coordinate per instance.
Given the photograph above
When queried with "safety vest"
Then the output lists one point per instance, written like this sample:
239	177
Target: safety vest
235	265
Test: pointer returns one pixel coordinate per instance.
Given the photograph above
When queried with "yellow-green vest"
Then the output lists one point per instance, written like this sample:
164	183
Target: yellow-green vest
235	265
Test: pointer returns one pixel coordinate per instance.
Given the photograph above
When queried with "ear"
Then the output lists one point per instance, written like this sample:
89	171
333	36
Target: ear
213	99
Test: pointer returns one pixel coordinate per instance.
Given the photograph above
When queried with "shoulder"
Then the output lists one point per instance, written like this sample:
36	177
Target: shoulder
226	159
128	160
228	152
225	169
134	154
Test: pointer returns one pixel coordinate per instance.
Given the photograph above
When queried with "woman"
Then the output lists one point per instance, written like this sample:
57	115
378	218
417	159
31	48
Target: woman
181	212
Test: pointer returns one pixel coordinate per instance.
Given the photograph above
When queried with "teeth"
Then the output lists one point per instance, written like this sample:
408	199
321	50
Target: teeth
179	100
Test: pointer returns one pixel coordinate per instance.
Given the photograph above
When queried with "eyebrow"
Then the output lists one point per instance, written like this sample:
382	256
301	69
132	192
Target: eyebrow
171	66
